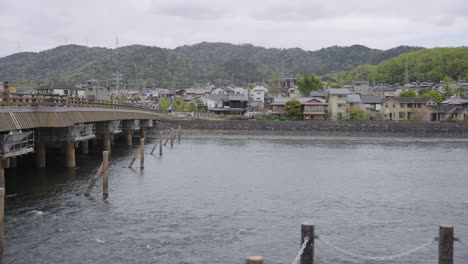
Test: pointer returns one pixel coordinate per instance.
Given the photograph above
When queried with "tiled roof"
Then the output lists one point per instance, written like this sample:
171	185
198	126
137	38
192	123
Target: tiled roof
370	99
338	91
409	100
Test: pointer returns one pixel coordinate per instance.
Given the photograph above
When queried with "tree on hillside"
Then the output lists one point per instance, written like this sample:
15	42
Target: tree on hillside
293	108
275	82
164	104
409	93
434	95
309	83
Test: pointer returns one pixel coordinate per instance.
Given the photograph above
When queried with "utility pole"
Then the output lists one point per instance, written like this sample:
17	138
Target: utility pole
406	70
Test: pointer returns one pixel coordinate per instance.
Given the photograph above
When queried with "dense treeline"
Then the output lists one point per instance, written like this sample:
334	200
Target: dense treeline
422	65
200	63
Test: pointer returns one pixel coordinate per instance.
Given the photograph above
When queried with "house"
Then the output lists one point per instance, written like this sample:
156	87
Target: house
222	90
337	102
318	94
96	90
197	91
371	103
61	89
405	108
311	108
256	106
455	101
232	104
213	101
434	113
385	91
257	94
361	87
293	91
353	102
238	90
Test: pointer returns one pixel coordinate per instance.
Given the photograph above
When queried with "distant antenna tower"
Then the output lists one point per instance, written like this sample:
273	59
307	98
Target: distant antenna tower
86	41
116	42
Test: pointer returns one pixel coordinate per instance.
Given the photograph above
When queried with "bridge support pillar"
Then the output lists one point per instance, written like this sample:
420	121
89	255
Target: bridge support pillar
142	132
106	142
2	207
70	155
40	155
13	162
128	136
112	138
84	147
6	163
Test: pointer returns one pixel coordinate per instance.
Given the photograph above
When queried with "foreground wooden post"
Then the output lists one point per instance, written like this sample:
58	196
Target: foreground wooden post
2	208
105	178
445	244
172	137
254	260
160	143
307	230
142	153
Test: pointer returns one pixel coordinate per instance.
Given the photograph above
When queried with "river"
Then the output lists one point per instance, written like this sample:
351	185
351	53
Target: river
217	200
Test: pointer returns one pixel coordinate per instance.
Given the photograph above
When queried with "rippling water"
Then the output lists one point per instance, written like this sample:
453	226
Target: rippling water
219	200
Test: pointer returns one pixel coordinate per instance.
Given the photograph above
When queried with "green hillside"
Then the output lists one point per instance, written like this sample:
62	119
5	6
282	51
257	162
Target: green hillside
200	63
429	64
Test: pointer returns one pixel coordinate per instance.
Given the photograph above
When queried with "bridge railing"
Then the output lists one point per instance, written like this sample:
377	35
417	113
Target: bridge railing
11	99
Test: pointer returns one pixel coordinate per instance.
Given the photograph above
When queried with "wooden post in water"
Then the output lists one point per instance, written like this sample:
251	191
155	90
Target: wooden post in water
168	138
160	143
2	208
254	260
445	244
307	230
105	177
179	132
94	180
172	137
142	153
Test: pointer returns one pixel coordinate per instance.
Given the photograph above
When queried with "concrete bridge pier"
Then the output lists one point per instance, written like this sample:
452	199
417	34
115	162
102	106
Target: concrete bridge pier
142	132
145	125
40	155
112	139
84	147
129	136
70	160
106	141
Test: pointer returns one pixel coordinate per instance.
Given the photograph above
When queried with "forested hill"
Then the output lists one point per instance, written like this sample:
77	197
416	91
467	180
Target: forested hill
153	66
435	64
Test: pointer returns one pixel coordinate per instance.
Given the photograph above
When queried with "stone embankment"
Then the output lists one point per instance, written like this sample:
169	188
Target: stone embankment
320	129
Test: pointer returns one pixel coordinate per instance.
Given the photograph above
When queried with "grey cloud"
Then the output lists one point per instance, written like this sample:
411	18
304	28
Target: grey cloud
309	24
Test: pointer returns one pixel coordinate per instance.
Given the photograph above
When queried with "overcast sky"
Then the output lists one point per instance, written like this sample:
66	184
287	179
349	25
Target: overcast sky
33	25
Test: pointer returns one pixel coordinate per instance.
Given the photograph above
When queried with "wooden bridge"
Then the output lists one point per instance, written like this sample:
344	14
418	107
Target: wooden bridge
35	123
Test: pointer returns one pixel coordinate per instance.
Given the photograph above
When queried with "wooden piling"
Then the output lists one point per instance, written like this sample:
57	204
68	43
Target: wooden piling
94	180
168	138
154	148
142	153
445	244
105	177
254	260
138	152
2	208
179	132
172	138
160	143
307	230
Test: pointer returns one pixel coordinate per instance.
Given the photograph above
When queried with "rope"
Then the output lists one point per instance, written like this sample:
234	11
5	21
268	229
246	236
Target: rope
382	258
301	251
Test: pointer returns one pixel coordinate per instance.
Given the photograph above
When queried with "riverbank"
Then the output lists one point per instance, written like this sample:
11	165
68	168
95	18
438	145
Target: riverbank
323	130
